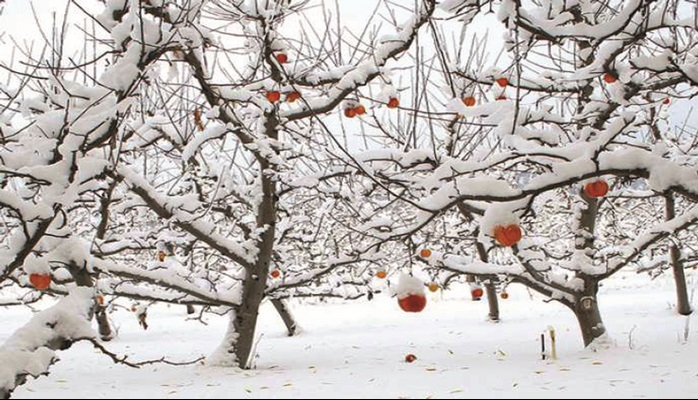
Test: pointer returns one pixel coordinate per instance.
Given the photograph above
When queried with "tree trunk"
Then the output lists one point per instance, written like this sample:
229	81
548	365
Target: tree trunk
586	309
683	305
492	300
84	279
286	316
239	341
237	347
103	325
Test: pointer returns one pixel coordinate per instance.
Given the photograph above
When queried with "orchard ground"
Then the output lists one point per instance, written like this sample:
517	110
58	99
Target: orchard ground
358	349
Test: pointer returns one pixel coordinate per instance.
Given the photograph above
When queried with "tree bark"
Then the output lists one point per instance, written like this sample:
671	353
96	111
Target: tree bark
492	300
103	325
286	316
586	309
239	340
490	288
84	279
683	305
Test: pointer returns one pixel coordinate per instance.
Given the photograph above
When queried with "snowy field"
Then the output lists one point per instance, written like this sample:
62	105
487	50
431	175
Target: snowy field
357	350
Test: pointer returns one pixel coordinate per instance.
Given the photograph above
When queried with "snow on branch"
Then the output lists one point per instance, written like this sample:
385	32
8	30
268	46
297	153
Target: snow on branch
31	350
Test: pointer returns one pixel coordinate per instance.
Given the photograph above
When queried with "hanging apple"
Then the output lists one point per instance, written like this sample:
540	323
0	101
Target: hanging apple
161	256
40	281
596	189
469	101
433	287
504	295
381	274
502	82
282	58
292	96
394	102
501	97
413	303
410	358
100	300
273	96
425	253
275	273
360	110
476	293
609	78
350	113
507	236
667	101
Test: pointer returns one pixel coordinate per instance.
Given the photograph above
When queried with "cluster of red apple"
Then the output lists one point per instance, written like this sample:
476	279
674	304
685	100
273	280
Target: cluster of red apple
502	82
274	96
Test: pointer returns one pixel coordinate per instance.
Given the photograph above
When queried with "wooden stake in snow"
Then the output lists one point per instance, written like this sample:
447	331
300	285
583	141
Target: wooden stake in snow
542	346
553	348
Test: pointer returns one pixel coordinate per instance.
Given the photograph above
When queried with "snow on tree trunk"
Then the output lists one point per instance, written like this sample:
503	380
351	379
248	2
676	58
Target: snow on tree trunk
241	330
30	351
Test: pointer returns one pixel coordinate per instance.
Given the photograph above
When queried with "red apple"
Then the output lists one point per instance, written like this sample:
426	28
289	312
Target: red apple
507	236
609	78
413	303
469	101
40	281
596	189
292	96
273	96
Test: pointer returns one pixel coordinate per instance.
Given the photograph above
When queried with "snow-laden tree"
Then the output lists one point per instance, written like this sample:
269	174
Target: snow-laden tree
174	160
530	169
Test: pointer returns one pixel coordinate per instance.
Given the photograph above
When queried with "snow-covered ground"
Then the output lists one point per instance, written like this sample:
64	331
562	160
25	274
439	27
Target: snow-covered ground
358	349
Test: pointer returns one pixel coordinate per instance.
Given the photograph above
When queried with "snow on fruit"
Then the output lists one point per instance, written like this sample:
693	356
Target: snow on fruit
410	294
